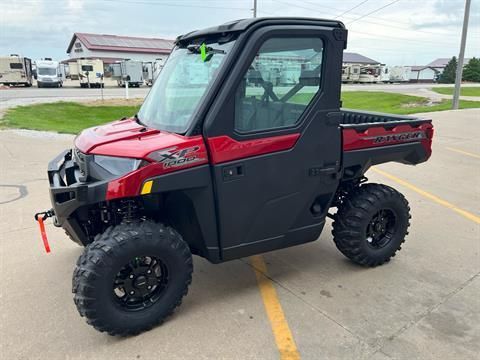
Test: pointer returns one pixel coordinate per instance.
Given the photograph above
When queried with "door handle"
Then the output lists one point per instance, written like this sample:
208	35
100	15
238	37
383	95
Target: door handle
233	172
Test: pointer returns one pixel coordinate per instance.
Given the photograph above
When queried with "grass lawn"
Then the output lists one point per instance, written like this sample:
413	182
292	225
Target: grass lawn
390	102
397	103
63	117
464	91
69	117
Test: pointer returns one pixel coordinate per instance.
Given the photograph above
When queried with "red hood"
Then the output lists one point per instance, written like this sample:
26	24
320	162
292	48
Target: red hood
126	138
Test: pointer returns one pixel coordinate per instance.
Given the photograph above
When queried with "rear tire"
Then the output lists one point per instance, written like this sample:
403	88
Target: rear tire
371	224
112	275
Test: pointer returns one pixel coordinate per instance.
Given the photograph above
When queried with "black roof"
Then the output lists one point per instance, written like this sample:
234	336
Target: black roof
354	58
243	24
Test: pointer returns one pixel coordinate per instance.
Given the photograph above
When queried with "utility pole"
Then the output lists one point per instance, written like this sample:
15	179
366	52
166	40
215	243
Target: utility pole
254	8
458	76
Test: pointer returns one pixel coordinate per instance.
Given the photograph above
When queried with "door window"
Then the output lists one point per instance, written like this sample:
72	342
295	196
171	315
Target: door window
280	83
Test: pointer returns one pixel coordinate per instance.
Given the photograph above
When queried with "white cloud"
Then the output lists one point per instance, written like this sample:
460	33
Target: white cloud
408	32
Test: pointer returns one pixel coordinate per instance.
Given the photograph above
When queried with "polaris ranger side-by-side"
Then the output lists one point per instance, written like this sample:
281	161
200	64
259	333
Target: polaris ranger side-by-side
241	147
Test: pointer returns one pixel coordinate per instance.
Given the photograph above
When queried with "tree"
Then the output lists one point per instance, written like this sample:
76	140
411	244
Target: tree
471	71
448	75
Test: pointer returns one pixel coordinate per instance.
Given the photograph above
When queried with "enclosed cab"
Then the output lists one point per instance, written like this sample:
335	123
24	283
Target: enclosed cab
15	70
49	73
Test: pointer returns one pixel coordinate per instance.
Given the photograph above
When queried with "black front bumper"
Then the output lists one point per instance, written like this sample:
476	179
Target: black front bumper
68	193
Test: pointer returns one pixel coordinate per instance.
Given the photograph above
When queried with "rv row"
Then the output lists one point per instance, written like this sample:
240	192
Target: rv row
372	74
17	70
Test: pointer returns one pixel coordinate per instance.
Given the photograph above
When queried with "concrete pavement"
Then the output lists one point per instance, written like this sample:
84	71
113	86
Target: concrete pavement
424	304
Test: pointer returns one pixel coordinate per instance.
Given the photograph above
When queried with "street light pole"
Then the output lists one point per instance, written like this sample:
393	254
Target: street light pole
458	76
254	8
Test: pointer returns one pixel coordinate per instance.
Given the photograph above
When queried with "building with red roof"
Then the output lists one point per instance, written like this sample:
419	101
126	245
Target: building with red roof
112	48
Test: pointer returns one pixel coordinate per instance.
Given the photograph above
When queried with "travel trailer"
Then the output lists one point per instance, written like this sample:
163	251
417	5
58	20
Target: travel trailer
350	73
88	71
369	74
399	74
128	71
148	73
49	73
15	70
384	73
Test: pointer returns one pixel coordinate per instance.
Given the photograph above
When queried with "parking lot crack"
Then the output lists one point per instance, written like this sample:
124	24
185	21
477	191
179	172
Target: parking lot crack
430	310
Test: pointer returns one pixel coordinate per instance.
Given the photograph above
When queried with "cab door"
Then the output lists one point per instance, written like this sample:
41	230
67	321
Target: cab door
274	140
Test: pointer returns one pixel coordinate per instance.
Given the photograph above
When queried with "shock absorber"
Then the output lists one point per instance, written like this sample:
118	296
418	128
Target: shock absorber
129	210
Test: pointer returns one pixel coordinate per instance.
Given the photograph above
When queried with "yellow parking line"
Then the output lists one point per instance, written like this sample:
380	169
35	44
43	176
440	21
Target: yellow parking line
432	197
463	152
283	336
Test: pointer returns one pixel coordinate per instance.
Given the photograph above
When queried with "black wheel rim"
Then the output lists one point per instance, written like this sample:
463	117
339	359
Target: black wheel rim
381	229
140	283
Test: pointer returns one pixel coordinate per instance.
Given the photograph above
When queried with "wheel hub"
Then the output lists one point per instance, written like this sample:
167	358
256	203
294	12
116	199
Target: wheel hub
140	283
381	228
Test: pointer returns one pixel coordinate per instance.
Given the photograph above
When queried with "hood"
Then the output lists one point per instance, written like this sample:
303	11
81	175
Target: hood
127	138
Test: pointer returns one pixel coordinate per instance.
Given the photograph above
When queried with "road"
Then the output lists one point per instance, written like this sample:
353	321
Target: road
424	304
24	96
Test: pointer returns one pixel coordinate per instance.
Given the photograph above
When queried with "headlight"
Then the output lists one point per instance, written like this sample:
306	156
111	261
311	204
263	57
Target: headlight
118	165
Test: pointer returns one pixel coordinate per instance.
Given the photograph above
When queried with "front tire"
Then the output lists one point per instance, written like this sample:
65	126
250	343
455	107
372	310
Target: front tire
371	224
132	277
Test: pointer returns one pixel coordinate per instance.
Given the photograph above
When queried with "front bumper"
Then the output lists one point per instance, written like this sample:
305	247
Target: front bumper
68	193
49	83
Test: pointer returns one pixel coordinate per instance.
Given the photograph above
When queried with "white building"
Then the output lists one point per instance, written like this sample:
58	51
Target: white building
112	48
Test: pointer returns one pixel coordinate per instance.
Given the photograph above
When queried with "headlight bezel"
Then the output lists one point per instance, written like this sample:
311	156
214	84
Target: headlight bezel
116	165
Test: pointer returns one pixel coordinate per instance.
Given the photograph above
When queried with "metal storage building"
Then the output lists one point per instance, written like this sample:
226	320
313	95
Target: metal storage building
112	48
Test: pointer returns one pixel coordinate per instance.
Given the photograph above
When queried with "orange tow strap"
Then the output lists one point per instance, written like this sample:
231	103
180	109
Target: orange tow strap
44	234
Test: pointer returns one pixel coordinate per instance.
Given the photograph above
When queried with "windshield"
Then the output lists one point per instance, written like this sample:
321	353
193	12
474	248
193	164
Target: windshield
47	71
181	85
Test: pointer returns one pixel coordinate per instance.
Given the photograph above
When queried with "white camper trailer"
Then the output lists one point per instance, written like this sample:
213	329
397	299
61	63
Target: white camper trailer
369	74
384	73
350	73
157	67
400	74
130	71
49	73
89	72
15	70
148	73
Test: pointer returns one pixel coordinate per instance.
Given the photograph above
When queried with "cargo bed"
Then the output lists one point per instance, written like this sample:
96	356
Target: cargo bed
371	138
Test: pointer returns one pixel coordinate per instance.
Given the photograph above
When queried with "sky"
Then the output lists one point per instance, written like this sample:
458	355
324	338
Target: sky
394	32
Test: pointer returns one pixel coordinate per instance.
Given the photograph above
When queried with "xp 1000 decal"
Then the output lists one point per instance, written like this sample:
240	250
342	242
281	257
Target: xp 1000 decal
174	157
